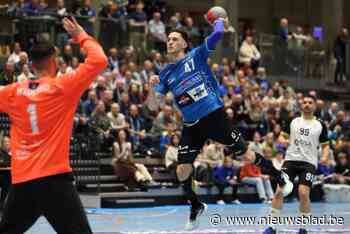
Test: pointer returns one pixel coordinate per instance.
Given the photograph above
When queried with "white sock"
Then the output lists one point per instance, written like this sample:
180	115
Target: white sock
275	213
303	214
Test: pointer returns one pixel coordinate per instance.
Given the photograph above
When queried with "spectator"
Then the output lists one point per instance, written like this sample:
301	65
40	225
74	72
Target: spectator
284	30
256	144
88	17
133	173
61	35
138	29
339	54
147	71
14	57
100	124
262	79
174	23
23	59
249	54
63	68
5	175
251	174
113	60
340	125
26	74
110	24
192	31
137	130
16	8
226	176
32	8
4	52
43	6
8	75
61	8
212	156
342	169
171	153
324	174
90	104
107	99
158	36
164	125
75	63
332	111
157	61
68	54
116	118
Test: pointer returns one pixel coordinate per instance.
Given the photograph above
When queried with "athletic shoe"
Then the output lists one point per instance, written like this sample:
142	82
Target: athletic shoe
288	186
193	223
236	201
220	202
269	230
302	231
268	201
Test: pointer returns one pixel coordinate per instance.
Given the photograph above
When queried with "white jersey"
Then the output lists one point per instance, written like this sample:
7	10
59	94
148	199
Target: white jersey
305	139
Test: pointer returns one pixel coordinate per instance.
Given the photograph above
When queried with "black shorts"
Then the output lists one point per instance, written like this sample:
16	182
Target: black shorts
214	126
304	170
54	197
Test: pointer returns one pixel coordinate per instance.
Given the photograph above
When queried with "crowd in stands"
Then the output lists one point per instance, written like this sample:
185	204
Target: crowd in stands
115	108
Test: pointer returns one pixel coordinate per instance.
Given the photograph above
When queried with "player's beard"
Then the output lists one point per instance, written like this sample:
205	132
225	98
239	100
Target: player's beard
308	110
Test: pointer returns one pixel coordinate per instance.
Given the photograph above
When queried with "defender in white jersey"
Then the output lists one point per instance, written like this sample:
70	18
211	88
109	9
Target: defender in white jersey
307	134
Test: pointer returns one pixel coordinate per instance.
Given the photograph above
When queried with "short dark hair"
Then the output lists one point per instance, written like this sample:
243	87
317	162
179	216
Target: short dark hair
310	96
183	34
41	51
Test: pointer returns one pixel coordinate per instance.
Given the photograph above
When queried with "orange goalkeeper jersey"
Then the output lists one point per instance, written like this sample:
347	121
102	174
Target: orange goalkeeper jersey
42	117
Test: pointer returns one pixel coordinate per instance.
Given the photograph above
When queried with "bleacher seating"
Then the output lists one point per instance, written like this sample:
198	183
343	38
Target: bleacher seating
94	175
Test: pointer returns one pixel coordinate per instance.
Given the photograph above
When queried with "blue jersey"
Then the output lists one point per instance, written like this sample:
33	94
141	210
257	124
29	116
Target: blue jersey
193	85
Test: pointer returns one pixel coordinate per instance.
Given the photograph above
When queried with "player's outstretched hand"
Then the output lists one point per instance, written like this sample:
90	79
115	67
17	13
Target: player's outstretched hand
154	80
72	27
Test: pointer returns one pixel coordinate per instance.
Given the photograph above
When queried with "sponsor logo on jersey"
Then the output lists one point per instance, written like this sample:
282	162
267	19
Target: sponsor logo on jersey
301	142
198	92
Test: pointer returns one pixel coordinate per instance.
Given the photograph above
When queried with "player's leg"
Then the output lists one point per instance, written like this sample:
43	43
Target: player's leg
20	210
277	202
190	145
225	133
62	207
305	184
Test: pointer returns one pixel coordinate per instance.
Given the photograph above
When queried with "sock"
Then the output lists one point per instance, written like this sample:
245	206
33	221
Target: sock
304	225
275	213
189	192
262	162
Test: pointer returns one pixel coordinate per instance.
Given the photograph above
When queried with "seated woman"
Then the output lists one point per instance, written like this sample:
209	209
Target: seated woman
133	173
5	175
249	54
251	174
171	153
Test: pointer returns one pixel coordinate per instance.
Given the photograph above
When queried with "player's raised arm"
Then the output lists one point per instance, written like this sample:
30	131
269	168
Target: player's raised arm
217	34
95	61
5	92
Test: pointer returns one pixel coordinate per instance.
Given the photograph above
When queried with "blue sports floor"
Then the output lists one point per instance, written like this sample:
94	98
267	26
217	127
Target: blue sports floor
171	219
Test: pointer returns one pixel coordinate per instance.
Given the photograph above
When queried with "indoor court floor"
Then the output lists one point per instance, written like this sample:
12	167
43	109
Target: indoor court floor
171	219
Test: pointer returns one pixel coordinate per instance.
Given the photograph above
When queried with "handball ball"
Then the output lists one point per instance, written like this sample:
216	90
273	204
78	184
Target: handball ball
215	13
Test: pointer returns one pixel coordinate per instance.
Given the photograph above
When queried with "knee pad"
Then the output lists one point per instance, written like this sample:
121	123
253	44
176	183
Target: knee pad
239	147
